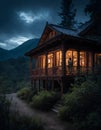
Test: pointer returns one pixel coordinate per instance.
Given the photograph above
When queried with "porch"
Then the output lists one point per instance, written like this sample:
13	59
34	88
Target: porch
58	72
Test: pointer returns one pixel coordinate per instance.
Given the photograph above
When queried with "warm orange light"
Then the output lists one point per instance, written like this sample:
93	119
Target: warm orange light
48	61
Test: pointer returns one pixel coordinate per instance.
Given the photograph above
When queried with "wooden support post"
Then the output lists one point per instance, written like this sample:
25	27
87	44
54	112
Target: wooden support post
32	84
31	65
46	84
46	64
46	71
62	86
63	60
87	60
35	85
93	61
43	84
78	62
39	85
52	84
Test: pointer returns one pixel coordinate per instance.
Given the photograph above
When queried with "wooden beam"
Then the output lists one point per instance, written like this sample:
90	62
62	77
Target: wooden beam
46	64
87	60
39	85
52	84
63	60
93	61
78	62
31	65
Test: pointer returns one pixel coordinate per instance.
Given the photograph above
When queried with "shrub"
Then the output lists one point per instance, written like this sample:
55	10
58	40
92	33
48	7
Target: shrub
4	112
92	122
18	122
44	100
26	94
82	101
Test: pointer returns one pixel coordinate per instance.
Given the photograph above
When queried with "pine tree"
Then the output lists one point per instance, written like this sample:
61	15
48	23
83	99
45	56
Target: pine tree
67	13
94	9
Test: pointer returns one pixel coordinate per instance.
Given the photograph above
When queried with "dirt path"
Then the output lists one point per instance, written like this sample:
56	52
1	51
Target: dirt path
50	120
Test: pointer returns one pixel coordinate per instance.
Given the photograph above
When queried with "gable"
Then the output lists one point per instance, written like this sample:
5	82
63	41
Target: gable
48	34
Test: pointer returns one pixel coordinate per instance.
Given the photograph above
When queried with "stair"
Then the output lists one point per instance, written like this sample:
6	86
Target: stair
56	107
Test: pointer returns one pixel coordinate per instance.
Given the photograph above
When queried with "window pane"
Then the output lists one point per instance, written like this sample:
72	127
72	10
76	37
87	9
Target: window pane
68	55
58	58
73	56
82	59
50	60
98	59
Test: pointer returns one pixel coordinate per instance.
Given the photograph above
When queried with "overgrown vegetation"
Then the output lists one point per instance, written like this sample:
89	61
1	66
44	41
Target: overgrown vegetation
26	94
44	100
13	121
82	106
14	74
18	122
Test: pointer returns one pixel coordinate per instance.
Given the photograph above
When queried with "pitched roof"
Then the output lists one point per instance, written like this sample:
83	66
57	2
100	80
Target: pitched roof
63	30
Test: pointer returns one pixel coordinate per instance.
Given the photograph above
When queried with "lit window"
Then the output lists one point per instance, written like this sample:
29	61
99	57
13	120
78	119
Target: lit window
58	58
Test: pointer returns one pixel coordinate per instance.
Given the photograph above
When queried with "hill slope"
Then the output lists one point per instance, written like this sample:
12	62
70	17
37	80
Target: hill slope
3	54
14	67
23	48
18	51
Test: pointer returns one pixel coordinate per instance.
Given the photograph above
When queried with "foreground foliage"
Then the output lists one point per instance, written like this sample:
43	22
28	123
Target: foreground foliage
82	106
25	123
25	94
13	121
44	100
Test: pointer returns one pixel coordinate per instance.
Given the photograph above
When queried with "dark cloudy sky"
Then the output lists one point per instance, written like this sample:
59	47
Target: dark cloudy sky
21	20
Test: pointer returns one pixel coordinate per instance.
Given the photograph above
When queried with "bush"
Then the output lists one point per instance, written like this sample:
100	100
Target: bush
18	122
25	94
92	122
44	100
79	103
4	112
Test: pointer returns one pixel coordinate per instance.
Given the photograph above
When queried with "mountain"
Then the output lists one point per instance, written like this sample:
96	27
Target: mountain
26	46
14	67
18	51
3	54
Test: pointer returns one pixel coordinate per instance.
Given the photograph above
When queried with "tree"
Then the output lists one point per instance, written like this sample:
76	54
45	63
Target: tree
94	9
67	14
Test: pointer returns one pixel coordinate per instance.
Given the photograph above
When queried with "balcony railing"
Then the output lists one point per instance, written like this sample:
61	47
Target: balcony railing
57	71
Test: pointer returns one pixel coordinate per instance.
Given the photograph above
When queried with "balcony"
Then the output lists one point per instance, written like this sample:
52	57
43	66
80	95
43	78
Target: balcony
57	71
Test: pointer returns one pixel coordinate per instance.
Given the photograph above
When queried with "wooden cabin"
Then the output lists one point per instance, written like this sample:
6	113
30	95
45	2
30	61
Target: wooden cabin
49	61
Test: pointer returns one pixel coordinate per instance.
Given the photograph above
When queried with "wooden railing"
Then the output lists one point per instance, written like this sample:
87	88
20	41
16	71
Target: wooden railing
57	71
38	72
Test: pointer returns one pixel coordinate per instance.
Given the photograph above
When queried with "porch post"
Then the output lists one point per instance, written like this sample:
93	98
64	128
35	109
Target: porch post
35	85
31	73
46	64
63	60
87	60
78	62
52	84
39	85
31	64
46	71
93	60
53	63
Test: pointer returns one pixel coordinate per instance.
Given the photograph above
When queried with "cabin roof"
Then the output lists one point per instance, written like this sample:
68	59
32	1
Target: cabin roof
64	30
84	28
67	32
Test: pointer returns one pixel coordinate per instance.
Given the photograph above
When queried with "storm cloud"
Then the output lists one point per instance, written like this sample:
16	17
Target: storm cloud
21	20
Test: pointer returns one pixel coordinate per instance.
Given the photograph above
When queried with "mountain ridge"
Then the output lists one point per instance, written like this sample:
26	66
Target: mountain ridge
18	51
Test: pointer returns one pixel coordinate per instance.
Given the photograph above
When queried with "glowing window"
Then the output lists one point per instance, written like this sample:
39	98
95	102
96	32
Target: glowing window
50	60
58	58
98	59
73	55
82	58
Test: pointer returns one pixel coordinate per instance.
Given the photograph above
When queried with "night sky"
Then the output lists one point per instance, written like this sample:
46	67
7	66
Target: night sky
21	20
